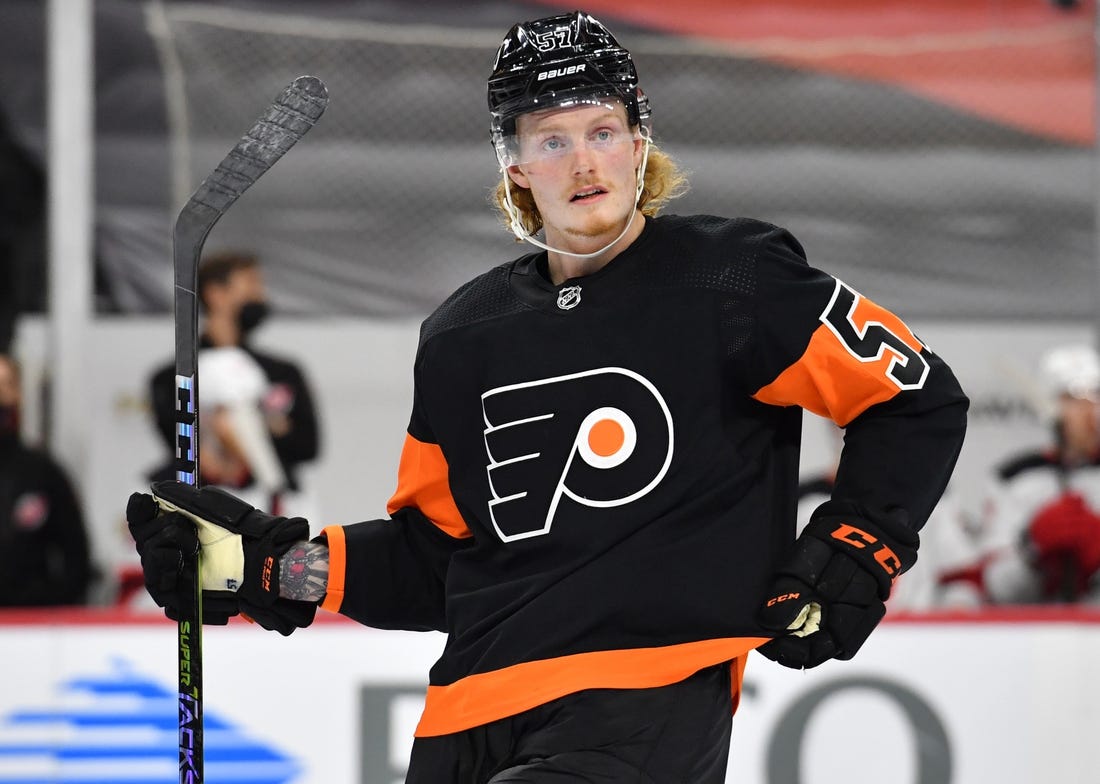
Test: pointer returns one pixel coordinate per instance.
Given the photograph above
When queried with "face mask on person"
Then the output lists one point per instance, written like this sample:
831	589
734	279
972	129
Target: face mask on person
251	315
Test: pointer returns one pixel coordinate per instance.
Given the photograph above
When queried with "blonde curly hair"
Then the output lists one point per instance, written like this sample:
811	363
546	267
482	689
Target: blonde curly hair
663	181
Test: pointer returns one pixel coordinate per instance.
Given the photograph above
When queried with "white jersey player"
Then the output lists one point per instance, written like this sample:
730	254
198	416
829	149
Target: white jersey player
1042	510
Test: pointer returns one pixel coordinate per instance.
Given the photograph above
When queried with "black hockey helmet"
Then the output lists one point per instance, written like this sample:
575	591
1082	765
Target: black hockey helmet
561	61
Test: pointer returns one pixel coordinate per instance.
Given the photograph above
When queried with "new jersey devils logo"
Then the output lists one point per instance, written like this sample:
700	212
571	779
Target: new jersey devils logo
600	438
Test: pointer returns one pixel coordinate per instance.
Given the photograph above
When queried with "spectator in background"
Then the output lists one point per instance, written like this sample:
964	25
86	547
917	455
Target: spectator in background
42	535
1042	513
259	421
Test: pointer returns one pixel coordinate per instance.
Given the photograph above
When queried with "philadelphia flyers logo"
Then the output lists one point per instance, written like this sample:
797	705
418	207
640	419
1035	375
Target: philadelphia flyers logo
600	438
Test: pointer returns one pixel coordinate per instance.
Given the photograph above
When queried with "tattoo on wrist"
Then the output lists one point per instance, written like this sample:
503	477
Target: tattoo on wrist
303	572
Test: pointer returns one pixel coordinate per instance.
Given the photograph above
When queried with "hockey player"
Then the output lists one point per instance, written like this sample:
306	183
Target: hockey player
1042	512
596	498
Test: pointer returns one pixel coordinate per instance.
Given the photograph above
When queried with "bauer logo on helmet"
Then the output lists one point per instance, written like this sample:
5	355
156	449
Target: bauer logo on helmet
553	73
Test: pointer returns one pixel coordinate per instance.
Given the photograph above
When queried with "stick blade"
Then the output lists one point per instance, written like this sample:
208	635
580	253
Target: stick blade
282	126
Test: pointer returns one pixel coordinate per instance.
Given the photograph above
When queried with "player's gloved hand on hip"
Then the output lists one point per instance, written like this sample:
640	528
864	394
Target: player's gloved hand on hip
241	548
1063	541
168	545
830	594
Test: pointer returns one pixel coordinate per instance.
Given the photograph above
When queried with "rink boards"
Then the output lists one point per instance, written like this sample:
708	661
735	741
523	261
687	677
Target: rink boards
948	699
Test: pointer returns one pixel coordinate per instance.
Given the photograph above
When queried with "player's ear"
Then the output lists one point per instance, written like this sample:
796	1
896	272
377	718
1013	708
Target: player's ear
518	177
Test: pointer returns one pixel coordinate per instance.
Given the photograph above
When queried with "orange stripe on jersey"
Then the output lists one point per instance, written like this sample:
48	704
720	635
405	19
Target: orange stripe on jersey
422	483
337	565
830	379
479	699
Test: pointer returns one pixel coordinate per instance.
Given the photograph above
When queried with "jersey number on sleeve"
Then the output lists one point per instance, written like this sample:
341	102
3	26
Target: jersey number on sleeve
908	369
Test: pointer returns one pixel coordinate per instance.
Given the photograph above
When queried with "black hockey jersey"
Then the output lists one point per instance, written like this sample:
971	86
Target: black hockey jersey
599	477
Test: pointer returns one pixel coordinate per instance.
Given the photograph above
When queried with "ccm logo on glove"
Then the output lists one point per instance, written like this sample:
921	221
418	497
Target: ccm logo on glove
782	598
265	575
860	539
830	592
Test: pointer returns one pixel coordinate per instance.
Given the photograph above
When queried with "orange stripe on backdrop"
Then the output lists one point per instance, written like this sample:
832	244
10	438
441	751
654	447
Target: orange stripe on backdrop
479	699
422	482
829	381
337	568
1024	63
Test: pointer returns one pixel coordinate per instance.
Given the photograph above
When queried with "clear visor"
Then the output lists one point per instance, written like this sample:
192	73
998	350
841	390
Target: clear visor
553	135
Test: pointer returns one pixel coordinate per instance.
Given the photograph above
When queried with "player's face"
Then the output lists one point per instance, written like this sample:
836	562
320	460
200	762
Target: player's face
1080	423
242	286
580	166
247	285
10	394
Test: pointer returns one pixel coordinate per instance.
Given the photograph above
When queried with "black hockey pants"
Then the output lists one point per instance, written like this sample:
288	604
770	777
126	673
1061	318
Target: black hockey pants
676	734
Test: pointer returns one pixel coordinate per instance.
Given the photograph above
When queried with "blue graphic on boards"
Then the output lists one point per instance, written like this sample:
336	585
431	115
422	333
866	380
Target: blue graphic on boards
123	727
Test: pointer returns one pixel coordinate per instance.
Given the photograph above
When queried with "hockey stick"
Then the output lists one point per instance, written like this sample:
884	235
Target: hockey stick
284	123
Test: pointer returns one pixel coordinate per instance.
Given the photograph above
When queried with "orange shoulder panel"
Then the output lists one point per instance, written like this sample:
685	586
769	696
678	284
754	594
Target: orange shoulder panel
422	483
830	380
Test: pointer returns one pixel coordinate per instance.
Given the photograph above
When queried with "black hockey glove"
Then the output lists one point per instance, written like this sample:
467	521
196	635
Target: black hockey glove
168	545
241	548
831	593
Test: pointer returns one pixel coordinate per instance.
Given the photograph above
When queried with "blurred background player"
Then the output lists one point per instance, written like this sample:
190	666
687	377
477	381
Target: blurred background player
259	422
43	541
1042	512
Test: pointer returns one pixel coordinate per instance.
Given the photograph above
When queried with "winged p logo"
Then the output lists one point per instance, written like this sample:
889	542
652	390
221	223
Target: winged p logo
599	438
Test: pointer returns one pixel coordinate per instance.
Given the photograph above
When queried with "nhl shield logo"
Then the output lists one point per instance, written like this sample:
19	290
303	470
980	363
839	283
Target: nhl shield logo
569	297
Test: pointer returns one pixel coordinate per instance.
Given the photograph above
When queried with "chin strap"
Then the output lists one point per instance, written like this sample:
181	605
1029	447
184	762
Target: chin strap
515	223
